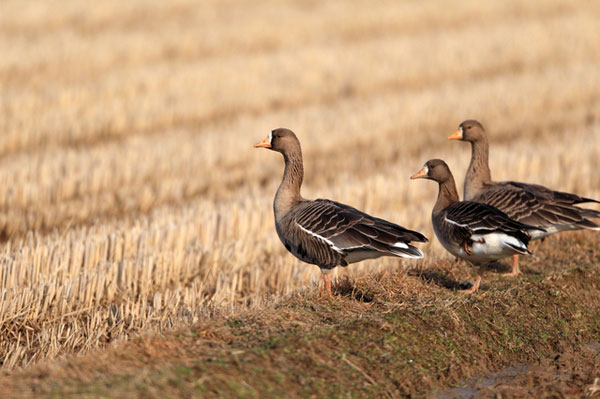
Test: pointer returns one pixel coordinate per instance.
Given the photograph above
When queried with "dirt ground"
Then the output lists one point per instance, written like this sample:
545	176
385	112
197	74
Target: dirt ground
132	201
396	334
573	374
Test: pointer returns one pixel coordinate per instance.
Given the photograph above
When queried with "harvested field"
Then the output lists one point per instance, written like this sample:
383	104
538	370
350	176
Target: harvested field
132	201
394	334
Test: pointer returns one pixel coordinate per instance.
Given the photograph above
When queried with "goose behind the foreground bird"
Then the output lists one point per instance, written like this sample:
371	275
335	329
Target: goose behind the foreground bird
327	233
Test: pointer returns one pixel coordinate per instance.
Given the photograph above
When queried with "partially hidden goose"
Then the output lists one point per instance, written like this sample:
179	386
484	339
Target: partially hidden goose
552	211
327	233
475	232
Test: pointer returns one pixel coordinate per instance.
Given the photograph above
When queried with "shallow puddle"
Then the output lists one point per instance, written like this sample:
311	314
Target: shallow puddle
513	378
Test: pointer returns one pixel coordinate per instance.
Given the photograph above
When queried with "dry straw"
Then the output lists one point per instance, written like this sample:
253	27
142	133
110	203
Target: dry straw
131	198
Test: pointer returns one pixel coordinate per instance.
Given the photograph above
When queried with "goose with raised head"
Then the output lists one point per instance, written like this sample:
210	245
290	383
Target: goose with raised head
475	232
324	232
539	206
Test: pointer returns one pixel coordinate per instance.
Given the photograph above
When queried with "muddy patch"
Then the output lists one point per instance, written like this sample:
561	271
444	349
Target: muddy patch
567	375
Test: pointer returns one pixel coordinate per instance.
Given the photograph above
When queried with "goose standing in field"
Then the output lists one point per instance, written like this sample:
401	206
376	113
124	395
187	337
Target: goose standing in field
478	233
327	233
552	211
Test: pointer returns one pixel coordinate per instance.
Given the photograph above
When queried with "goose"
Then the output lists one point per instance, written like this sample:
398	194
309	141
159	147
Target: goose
552	211
324	232
475	232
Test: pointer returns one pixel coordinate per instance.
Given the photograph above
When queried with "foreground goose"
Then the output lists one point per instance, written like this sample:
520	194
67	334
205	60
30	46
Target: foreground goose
476	232
553	211
326	233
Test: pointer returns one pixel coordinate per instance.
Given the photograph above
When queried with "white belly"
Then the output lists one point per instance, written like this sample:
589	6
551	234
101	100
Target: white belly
495	247
486	248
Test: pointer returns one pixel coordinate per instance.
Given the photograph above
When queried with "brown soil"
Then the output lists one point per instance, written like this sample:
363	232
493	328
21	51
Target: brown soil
572	374
391	335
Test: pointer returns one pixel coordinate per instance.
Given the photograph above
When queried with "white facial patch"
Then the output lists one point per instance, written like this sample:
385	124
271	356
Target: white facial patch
270	136
462	132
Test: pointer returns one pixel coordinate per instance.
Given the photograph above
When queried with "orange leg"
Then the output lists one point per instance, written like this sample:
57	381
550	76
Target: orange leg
515	267
477	282
475	286
327	284
327	280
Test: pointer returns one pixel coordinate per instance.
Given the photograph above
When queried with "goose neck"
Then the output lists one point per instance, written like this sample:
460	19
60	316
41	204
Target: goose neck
447	195
478	173
288	193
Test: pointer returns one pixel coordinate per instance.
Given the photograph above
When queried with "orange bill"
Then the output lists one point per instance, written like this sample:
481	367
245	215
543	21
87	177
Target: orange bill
420	174
265	143
457	135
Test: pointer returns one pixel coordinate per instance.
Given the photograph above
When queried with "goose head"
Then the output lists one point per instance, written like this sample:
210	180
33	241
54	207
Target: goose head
434	169
280	140
469	130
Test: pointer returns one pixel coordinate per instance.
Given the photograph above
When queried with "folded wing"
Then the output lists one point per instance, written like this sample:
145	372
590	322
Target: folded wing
355	234
468	218
539	206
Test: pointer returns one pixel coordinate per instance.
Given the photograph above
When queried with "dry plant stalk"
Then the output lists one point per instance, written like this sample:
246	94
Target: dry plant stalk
131	198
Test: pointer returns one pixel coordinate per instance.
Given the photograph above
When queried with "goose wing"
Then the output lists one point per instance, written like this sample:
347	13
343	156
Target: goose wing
467	218
347	230
538	205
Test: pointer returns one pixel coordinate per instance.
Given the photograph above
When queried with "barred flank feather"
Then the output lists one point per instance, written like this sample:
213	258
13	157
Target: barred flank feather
463	219
539	206
349	230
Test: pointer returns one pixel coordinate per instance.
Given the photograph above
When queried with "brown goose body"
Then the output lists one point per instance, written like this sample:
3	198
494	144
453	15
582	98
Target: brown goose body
476	232
327	233
533	204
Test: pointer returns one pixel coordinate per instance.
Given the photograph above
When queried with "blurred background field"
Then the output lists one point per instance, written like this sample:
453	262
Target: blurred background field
131	198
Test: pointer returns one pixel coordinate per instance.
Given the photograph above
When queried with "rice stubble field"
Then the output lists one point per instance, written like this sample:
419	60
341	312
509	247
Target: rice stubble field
132	201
